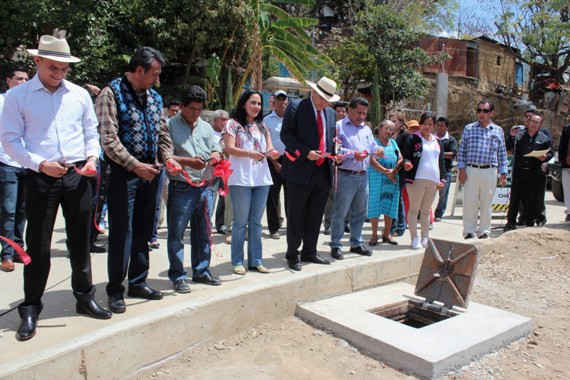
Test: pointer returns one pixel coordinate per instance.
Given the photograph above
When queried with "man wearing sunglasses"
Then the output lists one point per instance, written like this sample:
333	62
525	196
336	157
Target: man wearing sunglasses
481	155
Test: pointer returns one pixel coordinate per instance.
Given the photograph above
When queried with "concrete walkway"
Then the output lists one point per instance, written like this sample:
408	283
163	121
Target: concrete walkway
68	345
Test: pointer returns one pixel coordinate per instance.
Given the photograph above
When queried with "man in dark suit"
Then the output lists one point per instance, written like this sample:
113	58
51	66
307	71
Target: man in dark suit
308	131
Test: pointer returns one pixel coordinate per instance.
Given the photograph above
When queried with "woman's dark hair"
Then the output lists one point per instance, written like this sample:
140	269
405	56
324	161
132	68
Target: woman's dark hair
427	115
239	114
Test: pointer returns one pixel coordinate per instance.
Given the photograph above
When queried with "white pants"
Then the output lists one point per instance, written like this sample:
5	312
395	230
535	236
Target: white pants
566	188
478	193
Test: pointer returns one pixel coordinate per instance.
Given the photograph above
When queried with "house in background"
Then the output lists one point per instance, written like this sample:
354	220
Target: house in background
491	65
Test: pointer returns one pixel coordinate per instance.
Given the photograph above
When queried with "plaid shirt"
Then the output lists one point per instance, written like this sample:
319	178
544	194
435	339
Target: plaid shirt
483	146
106	110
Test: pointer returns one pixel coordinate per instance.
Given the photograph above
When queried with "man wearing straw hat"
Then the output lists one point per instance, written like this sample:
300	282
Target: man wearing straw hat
308	131
49	126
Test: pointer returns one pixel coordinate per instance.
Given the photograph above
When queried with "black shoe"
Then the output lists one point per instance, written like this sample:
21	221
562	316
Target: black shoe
520	222
97	249
484	236
295	265
509	227
347	229
337	254
529	224
207	279
541	222
361	251
316	259
145	292
27	329
470	236
181	286
327	231
86	305
117	304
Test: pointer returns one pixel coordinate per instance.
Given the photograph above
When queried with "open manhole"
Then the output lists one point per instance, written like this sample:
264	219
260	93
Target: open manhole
413	313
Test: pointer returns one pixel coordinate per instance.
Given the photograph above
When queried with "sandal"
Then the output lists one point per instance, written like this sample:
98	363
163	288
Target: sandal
373	242
260	268
239	269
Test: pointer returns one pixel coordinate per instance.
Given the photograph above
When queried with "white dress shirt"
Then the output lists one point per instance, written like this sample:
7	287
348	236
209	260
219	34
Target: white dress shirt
38	125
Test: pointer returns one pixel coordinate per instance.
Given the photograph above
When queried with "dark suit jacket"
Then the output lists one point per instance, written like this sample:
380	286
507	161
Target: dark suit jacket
299	133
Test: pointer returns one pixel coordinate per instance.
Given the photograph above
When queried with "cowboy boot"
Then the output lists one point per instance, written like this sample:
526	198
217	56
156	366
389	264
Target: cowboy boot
29	315
86	305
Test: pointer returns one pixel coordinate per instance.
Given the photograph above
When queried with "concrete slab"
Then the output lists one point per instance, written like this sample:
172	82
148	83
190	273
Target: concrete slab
69	346
428	352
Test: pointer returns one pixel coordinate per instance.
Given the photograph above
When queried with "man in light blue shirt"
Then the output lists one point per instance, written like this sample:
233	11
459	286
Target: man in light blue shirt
273	122
352	177
481	154
195	146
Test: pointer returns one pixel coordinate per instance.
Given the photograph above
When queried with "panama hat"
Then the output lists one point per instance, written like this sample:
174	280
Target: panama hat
55	49
325	88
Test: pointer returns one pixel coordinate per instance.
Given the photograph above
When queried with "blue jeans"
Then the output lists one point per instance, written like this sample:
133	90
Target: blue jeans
352	194
12	207
188	204
443	194
249	204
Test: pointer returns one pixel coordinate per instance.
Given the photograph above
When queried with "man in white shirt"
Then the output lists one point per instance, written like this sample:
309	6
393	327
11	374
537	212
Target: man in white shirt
49	126
12	189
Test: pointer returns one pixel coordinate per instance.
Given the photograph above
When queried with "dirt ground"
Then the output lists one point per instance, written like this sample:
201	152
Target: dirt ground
526	271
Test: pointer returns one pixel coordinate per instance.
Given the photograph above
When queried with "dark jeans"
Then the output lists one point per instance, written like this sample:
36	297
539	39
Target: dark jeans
443	195
399	225
132	208
273	201
525	186
44	196
12	207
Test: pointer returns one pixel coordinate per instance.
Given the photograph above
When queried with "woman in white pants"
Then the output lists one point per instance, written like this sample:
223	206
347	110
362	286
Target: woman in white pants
425	175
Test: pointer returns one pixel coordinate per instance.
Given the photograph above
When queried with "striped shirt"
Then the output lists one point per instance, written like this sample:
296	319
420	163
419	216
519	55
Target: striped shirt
482	146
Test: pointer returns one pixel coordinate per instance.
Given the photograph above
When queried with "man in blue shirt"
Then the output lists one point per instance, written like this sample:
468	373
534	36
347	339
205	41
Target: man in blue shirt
194	145
481	154
352	178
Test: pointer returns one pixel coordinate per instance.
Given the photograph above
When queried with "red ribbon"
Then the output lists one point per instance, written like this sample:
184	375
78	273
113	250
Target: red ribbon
223	170
183	172
290	157
86	172
23	254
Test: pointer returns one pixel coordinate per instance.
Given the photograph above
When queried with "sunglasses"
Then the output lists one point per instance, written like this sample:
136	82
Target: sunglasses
484	110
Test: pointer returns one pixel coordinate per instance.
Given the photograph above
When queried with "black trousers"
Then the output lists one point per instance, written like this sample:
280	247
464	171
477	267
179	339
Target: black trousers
305	208
273	203
526	187
45	195
131	202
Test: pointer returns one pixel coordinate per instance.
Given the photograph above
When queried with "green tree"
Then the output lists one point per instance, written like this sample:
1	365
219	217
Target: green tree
540	29
383	39
276	34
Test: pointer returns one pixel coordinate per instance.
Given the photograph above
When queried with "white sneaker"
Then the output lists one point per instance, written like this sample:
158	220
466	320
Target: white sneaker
275	236
416	243
424	242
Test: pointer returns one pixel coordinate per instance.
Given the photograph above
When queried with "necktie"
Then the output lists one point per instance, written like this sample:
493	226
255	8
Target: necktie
321	130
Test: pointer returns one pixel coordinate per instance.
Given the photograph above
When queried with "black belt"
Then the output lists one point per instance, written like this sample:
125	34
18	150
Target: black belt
73	164
352	171
480	166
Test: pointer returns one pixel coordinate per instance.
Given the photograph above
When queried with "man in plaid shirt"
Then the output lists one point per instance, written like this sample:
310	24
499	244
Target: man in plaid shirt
481	155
